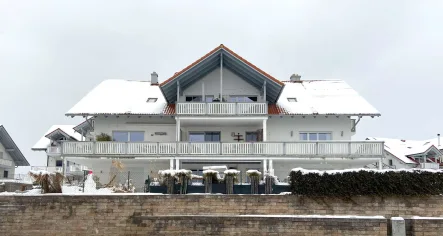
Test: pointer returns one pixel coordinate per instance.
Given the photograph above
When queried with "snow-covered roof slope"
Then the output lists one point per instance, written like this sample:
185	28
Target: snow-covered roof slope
403	148
44	142
121	97
324	97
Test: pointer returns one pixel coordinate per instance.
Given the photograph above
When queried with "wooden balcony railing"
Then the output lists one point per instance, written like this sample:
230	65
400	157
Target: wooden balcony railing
221	108
285	149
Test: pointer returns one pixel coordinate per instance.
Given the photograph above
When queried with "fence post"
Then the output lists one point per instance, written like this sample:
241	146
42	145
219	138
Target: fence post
269	181
208	183
229	182
254	183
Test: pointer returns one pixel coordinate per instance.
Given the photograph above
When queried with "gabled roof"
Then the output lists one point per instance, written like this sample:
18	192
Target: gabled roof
54	133
322	97
84	127
11	148
231	61
403	149
112	97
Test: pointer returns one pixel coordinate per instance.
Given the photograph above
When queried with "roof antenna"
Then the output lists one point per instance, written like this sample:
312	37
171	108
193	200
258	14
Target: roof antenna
438	138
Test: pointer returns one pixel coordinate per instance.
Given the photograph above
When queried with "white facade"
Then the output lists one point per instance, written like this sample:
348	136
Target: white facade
221	110
7	165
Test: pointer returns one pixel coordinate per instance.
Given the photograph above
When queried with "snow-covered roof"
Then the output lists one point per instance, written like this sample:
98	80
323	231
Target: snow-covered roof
13	150
404	148
121	97
44	141
323	97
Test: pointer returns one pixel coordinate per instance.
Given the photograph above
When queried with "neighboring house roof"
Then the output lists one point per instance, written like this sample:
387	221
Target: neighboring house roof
231	61
11	148
120	97
55	132
403	149
333	97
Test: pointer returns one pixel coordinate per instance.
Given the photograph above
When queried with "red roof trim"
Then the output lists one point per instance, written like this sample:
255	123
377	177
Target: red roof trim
231	52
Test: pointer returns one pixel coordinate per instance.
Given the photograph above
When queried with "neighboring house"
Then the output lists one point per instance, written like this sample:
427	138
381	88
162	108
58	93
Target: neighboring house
51	143
221	110
10	155
406	154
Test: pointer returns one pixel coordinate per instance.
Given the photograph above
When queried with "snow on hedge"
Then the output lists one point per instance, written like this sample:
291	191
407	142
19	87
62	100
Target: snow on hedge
231	172
253	172
209	171
331	172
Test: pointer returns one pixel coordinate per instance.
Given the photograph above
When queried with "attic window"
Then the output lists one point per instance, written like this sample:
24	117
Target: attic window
152	100
292	99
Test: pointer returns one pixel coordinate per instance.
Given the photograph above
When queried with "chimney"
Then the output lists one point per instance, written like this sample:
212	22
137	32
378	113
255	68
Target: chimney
154	78
295	77
438	138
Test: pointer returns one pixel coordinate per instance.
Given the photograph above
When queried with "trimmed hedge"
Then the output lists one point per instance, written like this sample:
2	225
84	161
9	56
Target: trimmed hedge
366	182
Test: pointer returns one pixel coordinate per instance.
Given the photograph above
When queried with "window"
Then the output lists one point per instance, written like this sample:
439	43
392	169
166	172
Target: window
152	100
315	136
204	136
59	163
292	99
251	137
128	136
208	98
242	98
390	162
5	174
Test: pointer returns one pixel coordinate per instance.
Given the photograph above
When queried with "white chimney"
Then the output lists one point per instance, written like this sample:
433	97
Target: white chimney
295	77
154	78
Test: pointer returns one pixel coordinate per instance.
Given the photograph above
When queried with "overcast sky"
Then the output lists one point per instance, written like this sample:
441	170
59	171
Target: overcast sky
54	52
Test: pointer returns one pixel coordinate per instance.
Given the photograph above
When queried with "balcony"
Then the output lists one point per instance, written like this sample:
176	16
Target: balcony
50	169
226	150
221	108
429	165
4	162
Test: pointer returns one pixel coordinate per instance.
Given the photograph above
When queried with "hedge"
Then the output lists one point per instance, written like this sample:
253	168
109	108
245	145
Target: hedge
366	182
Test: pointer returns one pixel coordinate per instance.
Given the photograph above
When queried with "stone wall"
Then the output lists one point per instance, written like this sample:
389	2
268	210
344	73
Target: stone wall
126	214
424	226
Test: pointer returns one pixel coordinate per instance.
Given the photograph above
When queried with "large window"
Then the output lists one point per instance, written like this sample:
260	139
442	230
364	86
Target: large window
242	98
311	136
204	136
208	98
128	136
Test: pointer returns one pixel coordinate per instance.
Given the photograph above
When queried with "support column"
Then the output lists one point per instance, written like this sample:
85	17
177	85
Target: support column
177	164
265	133
177	130
380	164
171	164
271	167
265	167
221	77
65	163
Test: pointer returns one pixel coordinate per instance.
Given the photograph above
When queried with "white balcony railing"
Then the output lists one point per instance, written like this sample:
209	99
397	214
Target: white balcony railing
77	168
222	108
47	168
289	149
429	165
4	162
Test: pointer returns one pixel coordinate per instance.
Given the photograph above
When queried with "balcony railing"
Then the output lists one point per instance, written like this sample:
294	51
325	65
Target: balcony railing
4	162
429	165
286	149
47	168
222	108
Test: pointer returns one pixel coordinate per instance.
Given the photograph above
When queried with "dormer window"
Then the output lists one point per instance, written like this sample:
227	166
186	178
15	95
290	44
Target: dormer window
152	100
292	99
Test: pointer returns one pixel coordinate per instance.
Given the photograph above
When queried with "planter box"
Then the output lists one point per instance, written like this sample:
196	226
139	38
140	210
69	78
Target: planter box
157	189
196	189
219	188
277	189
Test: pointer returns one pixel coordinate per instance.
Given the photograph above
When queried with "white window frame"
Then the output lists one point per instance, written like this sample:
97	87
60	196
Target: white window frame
129	134
314	132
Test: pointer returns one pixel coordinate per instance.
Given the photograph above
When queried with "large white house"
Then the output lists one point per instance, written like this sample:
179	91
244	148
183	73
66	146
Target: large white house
220	110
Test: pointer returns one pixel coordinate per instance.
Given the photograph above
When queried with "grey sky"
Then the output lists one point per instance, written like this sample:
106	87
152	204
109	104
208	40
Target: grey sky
53	52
